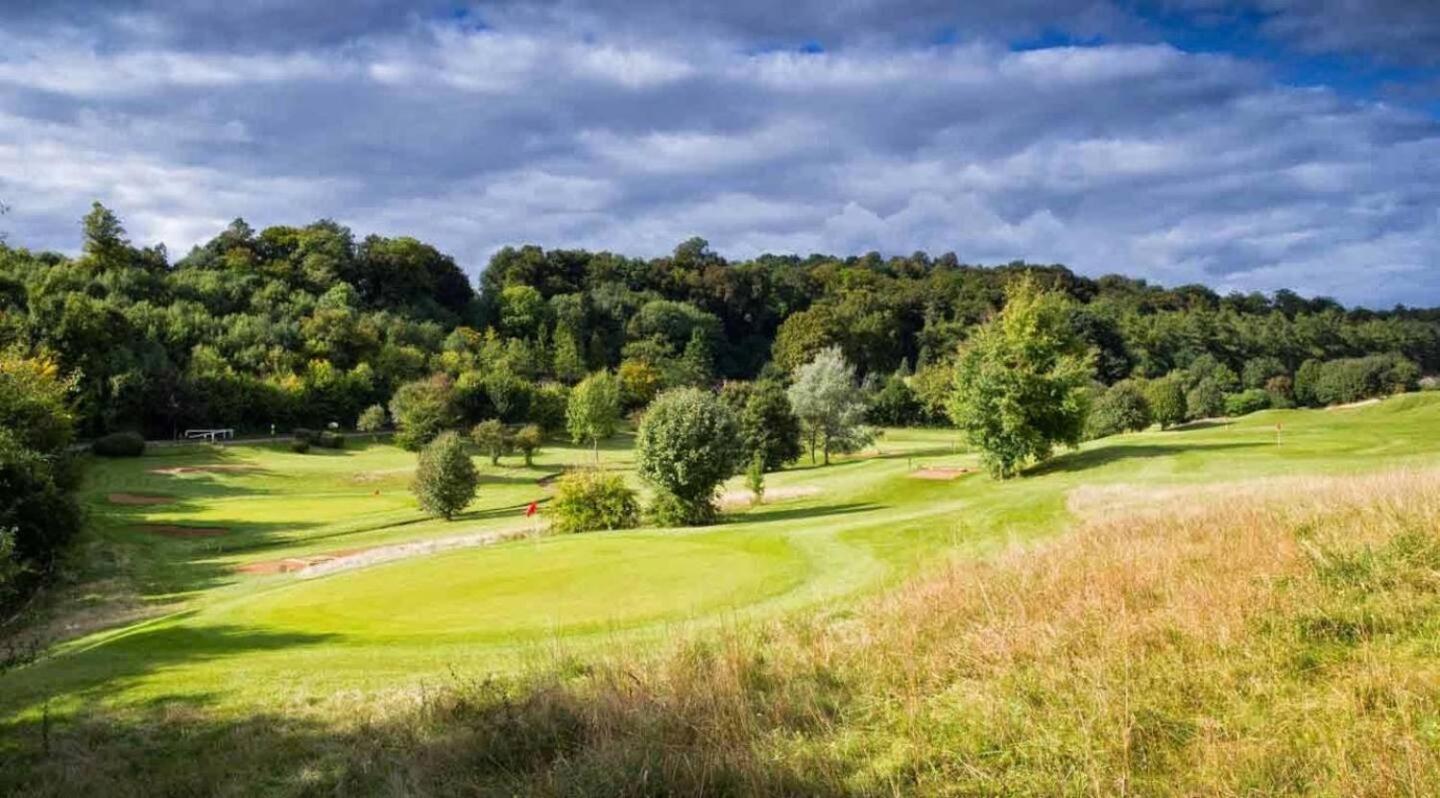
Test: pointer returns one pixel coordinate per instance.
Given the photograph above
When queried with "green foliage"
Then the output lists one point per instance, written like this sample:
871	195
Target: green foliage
119	444
1281	391
895	404
372	420
1260	370
829	404
1250	400
1307	383
1120	408
1020	382
528	440
422	410
445	478
548	406
685	448
587	500
593	411
640	383
1205	400
491	438
755	479
1356	379
1166	399
300	445
769	426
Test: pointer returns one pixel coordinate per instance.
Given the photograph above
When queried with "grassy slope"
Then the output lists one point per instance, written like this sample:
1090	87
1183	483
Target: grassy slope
237	644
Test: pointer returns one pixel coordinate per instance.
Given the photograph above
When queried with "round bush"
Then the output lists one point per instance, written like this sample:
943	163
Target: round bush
590	500
119	444
300	446
687	446
1246	402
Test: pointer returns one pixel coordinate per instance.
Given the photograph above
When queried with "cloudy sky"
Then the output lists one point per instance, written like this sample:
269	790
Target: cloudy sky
1247	144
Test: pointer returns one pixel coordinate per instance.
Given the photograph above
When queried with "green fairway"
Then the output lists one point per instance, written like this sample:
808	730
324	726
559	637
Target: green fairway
228	630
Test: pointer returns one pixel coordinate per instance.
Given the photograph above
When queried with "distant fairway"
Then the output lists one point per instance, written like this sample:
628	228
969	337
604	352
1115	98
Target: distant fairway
234	640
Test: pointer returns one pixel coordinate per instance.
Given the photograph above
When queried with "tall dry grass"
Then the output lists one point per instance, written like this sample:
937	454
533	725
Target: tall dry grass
1276	637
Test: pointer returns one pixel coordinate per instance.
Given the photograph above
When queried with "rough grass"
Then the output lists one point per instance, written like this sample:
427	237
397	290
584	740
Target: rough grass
1274	637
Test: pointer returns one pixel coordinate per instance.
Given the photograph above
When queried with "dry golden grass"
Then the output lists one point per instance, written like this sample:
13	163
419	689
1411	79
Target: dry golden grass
1272	637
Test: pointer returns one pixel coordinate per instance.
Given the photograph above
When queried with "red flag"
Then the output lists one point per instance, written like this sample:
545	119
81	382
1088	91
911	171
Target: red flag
532	509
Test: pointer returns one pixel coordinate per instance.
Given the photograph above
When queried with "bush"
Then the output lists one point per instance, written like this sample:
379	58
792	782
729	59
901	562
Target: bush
589	500
1246	402
309	436
547	406
895	405
300	446
1429	384
686	447
119	444
1166	398
445	478
1205	400
422	409
372	420
331	440
1121	408
1359	378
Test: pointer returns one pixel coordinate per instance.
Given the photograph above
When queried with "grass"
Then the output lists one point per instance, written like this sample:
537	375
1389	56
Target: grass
1267	636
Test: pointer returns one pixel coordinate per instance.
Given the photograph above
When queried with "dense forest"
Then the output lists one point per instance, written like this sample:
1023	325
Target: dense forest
308	325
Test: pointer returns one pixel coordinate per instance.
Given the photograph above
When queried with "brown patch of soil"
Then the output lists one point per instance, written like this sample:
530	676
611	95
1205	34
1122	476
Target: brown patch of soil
1361	403
175	471
172	531
939	473
741	498
138	499
293	564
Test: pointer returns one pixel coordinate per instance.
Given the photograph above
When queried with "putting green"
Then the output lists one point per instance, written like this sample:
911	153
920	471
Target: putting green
531	589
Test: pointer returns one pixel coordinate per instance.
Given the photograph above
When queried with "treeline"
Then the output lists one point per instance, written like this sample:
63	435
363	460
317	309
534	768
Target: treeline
304	326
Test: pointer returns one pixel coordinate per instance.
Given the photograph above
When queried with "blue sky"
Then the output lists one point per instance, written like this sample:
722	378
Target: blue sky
1246	144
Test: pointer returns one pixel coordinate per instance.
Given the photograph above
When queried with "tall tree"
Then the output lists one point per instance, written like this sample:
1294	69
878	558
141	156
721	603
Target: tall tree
1020	384
593	412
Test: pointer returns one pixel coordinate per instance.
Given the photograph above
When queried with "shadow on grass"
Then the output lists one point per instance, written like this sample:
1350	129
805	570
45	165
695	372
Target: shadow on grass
1095	458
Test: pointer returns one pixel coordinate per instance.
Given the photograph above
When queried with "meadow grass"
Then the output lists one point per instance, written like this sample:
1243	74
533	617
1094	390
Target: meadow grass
1210	624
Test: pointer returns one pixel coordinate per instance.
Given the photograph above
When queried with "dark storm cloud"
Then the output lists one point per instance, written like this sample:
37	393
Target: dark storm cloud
632	129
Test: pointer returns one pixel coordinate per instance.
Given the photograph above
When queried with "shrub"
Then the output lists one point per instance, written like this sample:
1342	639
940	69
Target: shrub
1307	381
489	435
1246	402
1429	384
445	478
1260	370
300	446
589	500
331	440
1205	400
895	404
1121	408
372	420
547	406
686	448
119	444
310	436
755	479
422	409
528	439
1166	398
1281	390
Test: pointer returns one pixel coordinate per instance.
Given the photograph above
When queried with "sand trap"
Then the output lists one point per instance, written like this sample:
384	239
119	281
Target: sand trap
1361	403
175	471
313	565
940	473
138	499
171	531
742	498
381	475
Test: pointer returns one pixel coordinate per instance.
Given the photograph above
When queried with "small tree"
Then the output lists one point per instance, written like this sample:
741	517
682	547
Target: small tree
769	426
1121	408
1250	400
371	420
755	478
593	411
1020	384
1205	400
685	448
1166	397
830	405
445	479
528	440
895	404
489	435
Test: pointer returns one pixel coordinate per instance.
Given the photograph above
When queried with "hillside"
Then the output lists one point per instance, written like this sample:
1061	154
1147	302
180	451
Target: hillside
1211	606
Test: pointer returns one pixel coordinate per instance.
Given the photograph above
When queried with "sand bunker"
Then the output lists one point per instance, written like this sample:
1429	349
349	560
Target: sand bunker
171	531
138	499
741	498
939	473
175	471
313	565
1361	403
365	477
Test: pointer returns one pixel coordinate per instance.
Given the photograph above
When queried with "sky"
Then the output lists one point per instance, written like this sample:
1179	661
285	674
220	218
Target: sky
1244	144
